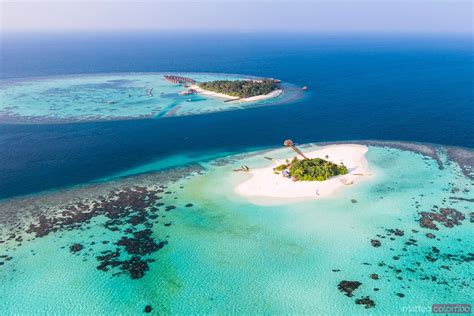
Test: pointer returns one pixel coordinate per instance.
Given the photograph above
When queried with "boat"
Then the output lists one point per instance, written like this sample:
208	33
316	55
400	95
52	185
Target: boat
242	168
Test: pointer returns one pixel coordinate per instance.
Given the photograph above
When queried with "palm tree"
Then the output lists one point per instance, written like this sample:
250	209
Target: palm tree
289	143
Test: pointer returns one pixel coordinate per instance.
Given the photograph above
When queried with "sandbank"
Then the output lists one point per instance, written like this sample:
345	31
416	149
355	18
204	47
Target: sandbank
265	183
271	95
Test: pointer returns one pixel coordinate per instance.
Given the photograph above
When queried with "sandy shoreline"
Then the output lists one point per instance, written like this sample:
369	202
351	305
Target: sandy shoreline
265	183
271	95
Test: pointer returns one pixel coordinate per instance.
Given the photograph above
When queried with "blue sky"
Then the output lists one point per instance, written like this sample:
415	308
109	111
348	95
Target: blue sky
324	16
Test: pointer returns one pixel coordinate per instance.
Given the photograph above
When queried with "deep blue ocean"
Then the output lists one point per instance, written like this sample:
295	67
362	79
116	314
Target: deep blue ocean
385	87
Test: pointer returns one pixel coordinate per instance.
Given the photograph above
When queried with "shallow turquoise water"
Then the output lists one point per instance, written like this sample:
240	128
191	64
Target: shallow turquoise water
228	255
111	97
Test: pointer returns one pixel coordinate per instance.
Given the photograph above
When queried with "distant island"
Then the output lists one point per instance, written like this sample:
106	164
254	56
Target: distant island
241	88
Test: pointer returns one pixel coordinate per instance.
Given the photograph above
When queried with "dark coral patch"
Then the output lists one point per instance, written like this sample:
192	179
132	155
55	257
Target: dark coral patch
116	206
396	232
449	217
142	243
136	266
128	206
148	309
347	287
375	243
366	301
108	260
75	248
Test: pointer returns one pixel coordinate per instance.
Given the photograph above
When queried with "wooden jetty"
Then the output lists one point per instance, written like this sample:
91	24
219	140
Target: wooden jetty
289	143
179	79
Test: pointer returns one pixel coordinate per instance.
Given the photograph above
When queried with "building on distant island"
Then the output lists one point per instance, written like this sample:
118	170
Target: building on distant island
188	92
179	79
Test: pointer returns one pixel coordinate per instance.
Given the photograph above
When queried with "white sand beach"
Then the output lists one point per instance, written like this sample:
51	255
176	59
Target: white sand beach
256	98
265	183
271	95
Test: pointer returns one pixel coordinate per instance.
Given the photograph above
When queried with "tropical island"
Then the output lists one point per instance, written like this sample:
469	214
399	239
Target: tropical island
248	90
242	90
311	169
320	172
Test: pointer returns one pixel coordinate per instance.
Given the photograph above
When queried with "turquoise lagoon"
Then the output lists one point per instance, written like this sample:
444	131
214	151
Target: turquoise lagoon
73	98
225	254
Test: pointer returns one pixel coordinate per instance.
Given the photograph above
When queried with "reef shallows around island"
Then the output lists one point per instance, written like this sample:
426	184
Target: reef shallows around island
121	96
181	240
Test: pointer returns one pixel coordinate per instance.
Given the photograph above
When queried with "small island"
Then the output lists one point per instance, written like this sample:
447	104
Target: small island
316	173
241	88
247	90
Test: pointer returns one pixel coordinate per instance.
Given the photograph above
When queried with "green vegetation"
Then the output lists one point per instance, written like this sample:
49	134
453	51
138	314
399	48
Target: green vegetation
281	167
315	169
240	88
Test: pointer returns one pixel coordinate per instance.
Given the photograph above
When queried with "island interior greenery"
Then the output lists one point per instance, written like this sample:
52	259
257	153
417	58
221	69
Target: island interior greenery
315	169
241	88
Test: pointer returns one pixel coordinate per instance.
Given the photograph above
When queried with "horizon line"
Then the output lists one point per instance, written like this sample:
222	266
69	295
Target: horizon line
243	32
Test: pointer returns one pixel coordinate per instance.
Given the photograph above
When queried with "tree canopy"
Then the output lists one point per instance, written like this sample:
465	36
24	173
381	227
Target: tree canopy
315	169
240	88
